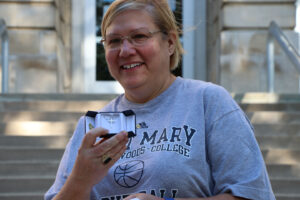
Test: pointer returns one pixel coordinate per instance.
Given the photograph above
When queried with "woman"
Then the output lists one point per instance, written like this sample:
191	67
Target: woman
192	141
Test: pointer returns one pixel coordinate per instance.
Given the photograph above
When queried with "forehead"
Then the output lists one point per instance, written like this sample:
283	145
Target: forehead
130	20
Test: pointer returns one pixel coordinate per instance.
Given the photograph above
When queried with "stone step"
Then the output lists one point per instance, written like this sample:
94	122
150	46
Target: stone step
60	141
57	141
249	101
13	116
49	168
281	156
56	106
36	184
42	184
249	97
283	142
30	154
37	128
271	156
28	168
277	129
26	97
286	186
295	106
39	196
274	117
83	106
265	97
22	196
287	196
283	171
259	117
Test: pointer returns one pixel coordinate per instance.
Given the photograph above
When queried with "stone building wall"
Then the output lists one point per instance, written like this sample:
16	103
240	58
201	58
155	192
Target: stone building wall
41	48
33	49
243	48
213	45
63	26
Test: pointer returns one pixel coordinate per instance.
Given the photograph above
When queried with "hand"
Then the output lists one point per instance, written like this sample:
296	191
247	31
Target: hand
90	167
143	196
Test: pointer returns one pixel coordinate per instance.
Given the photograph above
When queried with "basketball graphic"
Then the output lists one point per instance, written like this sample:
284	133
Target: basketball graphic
129	174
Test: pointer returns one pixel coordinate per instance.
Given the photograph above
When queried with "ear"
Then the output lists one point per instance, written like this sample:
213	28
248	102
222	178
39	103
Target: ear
171	42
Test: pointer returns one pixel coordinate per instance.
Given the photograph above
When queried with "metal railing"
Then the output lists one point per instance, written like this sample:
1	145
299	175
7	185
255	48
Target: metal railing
275	33
4	55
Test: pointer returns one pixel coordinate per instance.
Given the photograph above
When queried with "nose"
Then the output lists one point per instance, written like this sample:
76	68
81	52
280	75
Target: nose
126	48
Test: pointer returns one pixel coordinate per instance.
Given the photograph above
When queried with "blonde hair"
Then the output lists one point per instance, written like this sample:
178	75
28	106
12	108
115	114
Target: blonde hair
161	13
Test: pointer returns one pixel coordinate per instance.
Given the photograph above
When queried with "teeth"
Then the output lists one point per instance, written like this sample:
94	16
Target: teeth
131	66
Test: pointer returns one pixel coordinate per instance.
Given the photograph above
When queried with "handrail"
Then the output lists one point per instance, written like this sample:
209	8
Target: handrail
5	54
276	33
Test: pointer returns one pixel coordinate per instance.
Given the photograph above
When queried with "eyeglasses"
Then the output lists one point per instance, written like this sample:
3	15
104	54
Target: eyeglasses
137	38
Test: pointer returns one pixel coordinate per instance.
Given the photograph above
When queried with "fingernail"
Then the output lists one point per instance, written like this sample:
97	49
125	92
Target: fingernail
123	132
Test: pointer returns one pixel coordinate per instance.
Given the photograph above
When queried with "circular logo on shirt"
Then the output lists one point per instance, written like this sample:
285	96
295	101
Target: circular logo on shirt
129	174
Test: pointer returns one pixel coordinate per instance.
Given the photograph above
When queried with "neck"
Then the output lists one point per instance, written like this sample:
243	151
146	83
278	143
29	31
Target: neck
142	95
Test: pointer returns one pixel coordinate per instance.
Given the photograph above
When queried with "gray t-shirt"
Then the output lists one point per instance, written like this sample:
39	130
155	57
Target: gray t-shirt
192	141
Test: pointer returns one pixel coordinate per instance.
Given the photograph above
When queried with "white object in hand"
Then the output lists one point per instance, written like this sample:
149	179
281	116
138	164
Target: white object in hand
135	199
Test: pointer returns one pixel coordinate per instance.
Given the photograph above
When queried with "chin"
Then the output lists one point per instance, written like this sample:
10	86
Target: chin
132	84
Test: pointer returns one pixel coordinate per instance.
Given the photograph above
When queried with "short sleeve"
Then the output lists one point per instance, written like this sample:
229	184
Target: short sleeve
235	158
67	161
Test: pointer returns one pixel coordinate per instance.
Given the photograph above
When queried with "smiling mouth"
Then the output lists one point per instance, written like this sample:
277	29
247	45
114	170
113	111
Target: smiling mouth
131	66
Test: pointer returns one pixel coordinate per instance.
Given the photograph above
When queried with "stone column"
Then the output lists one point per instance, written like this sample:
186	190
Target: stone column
63	27
213	45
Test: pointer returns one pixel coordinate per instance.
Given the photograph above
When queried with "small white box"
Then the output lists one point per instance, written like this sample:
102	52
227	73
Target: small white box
114	122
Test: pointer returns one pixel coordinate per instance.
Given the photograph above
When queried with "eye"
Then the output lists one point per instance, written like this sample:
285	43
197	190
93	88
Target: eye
114	41
139	37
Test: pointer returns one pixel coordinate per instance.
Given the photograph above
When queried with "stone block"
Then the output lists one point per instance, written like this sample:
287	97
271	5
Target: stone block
32	41
258	15
57	2
213	61
259	1
63	31
33	74
25	41
48	42
244	66
214	9
35	15
213	32
64	67
64	8
30	1
57	23
66	34
63	22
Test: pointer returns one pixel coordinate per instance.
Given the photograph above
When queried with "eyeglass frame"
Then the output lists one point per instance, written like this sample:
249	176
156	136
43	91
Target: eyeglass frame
129	38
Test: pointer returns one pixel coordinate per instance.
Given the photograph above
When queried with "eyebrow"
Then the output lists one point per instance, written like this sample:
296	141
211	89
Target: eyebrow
112	34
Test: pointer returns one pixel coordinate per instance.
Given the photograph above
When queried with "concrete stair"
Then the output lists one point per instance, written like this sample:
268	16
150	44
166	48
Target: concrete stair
34	130
276	120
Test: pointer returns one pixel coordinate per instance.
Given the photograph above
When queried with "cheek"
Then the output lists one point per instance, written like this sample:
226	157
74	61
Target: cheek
150	53
110	60
160	53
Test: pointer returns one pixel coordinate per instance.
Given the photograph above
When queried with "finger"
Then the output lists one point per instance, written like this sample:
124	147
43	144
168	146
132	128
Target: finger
91	136
114	152
110	143
117	156
130	197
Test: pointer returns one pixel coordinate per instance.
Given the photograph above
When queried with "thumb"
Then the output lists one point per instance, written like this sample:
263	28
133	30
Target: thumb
91	136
